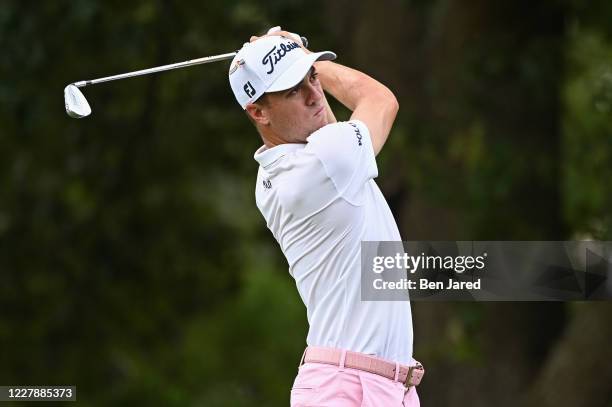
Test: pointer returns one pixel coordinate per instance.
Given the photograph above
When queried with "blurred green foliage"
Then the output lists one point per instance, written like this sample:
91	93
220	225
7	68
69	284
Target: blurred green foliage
587	126
133	261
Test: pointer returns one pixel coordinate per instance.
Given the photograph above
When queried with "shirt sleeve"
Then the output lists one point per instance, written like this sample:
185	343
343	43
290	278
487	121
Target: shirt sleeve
346	152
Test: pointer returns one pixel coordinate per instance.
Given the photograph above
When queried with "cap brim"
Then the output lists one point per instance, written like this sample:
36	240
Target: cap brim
296	72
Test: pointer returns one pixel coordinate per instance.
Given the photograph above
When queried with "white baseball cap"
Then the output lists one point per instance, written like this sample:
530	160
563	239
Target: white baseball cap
270	64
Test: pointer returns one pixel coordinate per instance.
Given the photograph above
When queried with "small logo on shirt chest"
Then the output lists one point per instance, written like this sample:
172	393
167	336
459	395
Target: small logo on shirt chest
357	133
267	184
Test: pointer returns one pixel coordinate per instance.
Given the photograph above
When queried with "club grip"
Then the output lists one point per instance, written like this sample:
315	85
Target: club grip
294	35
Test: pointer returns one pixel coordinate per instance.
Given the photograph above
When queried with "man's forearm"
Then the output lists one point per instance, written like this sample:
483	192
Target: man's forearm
331	118
370	101
348	85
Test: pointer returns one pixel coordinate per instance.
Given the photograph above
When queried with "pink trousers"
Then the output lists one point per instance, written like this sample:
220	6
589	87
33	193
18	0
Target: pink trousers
321	385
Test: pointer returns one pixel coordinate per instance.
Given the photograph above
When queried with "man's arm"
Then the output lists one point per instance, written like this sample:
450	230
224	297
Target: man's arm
331	118
369	100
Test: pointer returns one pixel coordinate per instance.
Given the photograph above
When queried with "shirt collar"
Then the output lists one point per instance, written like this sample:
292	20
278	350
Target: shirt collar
266	156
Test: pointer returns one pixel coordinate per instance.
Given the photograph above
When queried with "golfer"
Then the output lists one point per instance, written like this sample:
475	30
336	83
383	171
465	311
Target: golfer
316	190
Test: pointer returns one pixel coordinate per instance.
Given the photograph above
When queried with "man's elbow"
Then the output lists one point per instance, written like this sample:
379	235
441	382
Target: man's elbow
388	99
392	104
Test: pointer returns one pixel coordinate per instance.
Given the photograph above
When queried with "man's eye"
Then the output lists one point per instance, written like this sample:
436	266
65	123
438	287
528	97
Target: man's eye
313	77
293	92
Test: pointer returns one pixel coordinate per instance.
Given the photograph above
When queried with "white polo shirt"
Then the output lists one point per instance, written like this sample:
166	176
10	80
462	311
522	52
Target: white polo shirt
320	201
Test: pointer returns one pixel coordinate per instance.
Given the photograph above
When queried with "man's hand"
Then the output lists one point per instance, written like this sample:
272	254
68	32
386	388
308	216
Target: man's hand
281	33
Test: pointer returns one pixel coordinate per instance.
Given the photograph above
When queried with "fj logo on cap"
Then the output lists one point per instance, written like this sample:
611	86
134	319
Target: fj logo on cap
249	89
275	55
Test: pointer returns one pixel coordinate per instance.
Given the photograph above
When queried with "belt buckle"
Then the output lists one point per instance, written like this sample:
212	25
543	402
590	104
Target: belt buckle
418	375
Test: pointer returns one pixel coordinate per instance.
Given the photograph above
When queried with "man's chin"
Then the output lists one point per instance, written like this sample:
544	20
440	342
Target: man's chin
323	123
316	127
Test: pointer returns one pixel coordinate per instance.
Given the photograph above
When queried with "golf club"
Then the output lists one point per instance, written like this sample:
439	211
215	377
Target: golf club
78	107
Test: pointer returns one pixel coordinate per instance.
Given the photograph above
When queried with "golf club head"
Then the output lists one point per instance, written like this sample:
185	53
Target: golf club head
76	104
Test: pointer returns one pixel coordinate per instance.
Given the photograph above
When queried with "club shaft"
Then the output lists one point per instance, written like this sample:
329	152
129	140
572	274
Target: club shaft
162	68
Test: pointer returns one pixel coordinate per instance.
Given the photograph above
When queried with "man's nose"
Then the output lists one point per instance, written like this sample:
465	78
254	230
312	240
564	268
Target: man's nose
314	95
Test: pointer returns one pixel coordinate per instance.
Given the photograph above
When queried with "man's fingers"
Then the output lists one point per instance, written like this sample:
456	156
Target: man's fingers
277	33
280	33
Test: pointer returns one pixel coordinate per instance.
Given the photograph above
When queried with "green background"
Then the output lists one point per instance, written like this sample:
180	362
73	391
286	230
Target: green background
134	263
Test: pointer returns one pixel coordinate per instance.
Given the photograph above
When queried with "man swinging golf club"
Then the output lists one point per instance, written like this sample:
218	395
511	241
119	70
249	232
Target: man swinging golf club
316	190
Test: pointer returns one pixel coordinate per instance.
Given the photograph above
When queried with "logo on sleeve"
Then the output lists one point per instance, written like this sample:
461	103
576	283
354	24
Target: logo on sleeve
267	184
357	133
249	89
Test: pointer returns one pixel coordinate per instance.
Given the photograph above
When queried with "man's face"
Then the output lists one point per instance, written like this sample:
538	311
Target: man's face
294	114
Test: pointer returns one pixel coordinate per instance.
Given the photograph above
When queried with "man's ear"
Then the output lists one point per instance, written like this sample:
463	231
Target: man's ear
258	113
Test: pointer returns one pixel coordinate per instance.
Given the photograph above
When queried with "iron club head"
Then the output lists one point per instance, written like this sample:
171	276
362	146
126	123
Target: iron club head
76	104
